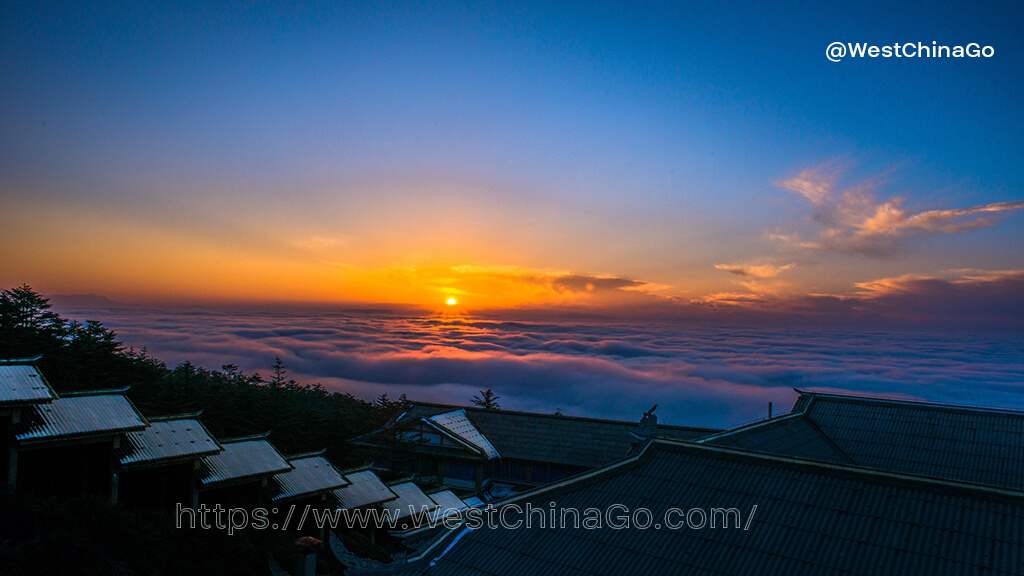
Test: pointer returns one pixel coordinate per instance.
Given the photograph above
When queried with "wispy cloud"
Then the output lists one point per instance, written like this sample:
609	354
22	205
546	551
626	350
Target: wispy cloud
758	278
854	220
583	283
959	296
755	271
501	286
955	298
318	242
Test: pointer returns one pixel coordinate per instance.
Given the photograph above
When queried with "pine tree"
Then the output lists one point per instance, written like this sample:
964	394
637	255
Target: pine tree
27	325
487	400
279	371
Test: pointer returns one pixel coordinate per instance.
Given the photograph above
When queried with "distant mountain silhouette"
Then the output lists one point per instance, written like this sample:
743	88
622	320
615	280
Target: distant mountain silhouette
84	301
384	311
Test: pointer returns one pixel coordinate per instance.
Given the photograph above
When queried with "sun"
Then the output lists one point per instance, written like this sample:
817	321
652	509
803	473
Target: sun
452	301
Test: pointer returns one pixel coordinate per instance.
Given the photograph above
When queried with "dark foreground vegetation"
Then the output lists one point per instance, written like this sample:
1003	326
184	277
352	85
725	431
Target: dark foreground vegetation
87	356
89	536
45	536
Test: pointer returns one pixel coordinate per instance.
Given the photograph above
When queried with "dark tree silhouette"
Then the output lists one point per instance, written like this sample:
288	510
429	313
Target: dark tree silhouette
487	400
277	380
390	407
83	356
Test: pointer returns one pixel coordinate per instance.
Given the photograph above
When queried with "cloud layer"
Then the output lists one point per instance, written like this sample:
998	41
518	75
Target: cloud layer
708	375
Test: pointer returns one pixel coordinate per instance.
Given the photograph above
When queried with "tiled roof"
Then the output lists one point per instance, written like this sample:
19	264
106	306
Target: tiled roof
167	440
22	383
79	415
811	518
241	459
791	435
411	501
365	488
456	422
984	446
448	503
567	440
309	475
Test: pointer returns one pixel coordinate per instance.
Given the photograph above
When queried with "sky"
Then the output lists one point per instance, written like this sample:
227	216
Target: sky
632	159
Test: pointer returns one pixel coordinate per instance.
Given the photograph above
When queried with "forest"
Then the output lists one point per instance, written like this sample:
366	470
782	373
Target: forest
86	355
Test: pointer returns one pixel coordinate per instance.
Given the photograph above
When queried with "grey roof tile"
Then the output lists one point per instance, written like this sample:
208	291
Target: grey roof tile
812	518
791	435
364	489
79	415
410	502
241	459
168	440
979	445
22	383
448	504
967	444
308	475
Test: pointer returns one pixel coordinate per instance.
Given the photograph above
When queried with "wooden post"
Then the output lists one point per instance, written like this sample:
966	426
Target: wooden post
12	457
195	485
83	480
115	465
162	502
323	529
12	468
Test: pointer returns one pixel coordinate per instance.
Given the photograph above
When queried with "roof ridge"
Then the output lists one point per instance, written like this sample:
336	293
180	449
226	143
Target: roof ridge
30	361
250	437
454	407
553	487
170	417
437	489
827	438
100	392
363	468
747	426
912	403
302	455
856	469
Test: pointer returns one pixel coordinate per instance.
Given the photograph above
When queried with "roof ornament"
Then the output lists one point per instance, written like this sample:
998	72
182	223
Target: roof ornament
649	423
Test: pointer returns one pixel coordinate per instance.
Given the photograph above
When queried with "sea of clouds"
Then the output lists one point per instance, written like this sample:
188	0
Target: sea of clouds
702	375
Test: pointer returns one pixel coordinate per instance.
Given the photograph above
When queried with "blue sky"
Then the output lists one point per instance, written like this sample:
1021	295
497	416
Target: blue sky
376	152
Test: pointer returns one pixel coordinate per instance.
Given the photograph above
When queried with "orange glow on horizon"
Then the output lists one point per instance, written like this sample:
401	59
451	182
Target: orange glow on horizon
129	261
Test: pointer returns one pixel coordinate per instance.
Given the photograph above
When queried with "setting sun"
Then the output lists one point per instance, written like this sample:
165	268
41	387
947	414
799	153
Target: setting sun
452	301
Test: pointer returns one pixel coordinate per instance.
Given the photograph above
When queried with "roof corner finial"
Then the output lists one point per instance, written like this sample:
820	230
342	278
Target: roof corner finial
649	422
